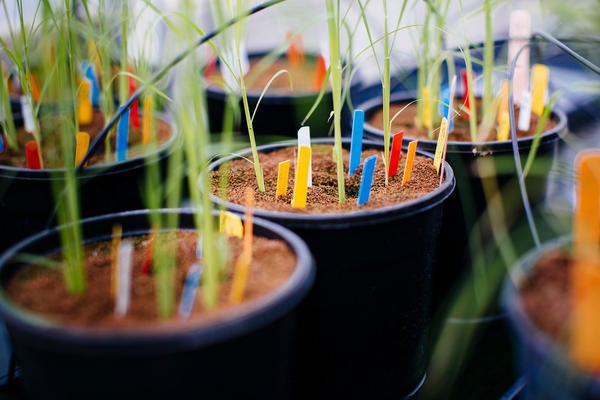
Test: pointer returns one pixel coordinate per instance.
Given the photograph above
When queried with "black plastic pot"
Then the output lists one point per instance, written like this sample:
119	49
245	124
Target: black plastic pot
363	327
245	354
279	114
27	205
544	363
469	202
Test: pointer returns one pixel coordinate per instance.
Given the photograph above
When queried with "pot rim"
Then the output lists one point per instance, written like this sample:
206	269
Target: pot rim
343	220
163	150
146	340
496	146
214	91
522	324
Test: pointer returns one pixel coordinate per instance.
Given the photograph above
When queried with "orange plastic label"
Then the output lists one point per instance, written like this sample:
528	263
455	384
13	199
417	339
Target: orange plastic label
283	173
410	159
82	143
147	119
585	271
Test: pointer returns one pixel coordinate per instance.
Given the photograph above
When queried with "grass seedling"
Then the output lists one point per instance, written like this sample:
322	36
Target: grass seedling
428	75
7	123
385	72
19	52
233	52
66	192
334	27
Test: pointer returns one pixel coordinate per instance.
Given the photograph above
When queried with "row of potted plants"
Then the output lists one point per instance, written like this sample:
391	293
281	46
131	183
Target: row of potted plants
360	330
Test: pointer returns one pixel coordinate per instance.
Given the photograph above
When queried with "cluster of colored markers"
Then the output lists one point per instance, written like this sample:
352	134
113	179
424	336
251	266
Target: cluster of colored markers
230	225
88	97
303	174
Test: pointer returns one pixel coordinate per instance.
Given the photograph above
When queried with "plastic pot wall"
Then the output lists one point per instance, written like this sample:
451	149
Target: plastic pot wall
545	365
363	327
248	354
469	203
279	114
27	203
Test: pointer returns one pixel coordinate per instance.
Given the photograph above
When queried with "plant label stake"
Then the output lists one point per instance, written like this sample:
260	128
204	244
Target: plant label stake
502	116
35	87
114	251
426	108
147	264
89	73
242	265
466	92
84	109
123	136
211	64
283	173
304	140
301	180
190	288
450	118
147	119
539	86
525	111
366	181
450	113
395	154
410	159
441	144
502	101
33	155
124	281
295	53
585	271
94	56
320	72
27	115
82	143
445	107
356	141
503	127
519	33
230	224
134	115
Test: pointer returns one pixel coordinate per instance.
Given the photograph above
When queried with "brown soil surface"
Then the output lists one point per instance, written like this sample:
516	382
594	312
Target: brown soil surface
545	293
406	122
52	142
302	76
42	290
323	196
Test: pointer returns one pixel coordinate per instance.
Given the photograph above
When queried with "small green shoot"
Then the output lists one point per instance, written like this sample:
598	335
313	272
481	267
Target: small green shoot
334	27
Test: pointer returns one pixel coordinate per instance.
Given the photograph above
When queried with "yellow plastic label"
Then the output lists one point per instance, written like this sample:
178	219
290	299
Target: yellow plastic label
242	265
230	224
503	127
441	143
283	173
301	181
84	110
147	119
82	143
426	108
539	85
502	102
